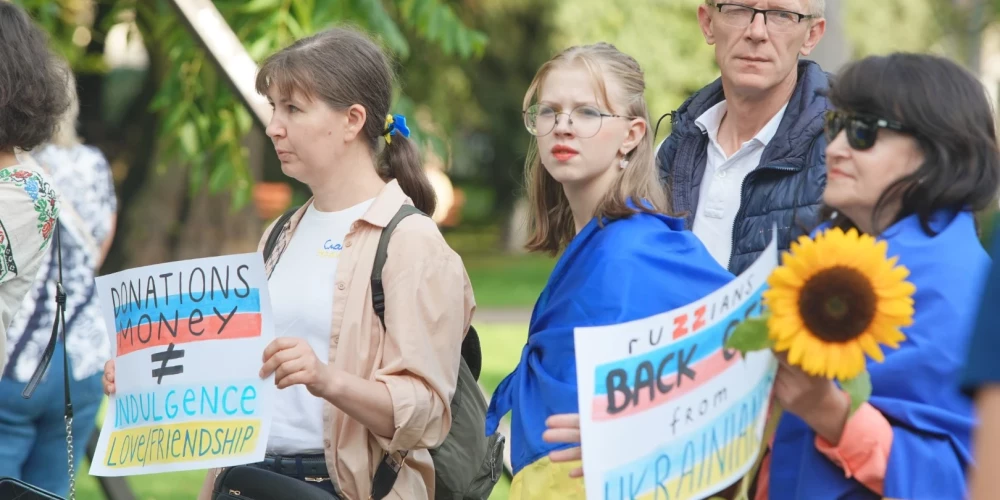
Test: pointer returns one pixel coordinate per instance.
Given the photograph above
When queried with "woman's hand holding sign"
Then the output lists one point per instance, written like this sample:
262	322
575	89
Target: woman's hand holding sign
565	428
293	361
109	377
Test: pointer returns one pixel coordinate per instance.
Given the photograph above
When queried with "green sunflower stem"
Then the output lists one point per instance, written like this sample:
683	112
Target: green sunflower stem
750	335
859	389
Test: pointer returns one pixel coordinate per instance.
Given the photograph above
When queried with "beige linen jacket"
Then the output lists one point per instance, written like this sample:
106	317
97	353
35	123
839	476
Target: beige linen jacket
429	305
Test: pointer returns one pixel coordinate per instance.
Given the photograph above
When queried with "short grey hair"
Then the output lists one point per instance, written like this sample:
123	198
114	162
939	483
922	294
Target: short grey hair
816	7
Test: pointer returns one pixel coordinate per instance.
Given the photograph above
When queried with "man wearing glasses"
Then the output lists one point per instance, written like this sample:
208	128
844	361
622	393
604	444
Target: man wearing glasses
747	151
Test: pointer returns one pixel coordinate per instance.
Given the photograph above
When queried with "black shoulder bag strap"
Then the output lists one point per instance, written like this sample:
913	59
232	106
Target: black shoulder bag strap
279	227
388	468
43	364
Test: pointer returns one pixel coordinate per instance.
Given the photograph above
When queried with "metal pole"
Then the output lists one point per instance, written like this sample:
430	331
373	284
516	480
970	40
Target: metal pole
227	52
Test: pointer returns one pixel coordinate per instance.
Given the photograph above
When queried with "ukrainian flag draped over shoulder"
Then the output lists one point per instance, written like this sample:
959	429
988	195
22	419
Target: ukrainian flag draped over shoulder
631	268
916	388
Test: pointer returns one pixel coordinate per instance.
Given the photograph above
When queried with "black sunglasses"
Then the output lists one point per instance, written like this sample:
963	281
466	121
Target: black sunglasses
861	129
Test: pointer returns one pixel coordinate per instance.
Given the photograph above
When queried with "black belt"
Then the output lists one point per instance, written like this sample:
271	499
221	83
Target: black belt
312	466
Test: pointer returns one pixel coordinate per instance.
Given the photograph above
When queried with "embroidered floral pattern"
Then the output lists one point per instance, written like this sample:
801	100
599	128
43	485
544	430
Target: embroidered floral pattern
7	264
41	194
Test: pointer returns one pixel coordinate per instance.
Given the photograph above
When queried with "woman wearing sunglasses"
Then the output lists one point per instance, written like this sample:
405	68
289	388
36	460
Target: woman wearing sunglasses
912	153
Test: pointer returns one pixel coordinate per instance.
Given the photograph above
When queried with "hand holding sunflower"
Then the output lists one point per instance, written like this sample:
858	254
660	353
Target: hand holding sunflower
814	399
833	300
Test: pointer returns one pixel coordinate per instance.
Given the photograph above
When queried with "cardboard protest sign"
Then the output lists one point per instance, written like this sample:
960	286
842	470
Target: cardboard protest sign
665	411
188	338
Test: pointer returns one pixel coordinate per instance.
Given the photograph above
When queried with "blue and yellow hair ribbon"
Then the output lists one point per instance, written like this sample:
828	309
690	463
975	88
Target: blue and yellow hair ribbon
395	124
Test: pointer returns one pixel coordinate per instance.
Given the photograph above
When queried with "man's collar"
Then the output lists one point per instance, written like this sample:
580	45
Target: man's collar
710	120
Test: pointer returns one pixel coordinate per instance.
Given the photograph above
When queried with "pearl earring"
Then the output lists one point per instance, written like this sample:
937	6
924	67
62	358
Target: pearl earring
623	163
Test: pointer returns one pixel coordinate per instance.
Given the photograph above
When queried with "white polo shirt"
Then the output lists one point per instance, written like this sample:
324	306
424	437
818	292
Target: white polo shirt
721	186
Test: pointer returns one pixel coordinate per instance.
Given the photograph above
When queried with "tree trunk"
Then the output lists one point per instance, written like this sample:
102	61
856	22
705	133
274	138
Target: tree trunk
159	219
975	24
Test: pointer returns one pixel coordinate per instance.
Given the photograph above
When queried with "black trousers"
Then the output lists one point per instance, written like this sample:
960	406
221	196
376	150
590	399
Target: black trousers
308	468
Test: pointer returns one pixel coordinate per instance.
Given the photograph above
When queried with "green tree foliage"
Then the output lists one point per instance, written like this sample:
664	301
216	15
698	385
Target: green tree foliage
894	25
663	37
478	101
202	122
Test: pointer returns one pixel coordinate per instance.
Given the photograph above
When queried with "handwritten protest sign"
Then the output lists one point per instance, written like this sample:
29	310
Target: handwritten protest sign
665	411
188	339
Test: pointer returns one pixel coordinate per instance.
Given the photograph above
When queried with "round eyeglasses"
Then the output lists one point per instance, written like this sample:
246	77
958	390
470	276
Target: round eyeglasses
585	121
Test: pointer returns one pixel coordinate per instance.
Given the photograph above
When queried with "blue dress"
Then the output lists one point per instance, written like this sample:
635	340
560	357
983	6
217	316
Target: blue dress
916	388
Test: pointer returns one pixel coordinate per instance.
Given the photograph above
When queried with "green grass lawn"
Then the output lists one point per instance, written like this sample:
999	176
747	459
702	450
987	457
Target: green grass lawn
500	280
501	351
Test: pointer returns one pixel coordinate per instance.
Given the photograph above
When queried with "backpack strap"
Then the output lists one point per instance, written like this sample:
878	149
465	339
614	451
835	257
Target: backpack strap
378	292
279	227
388	468
471	350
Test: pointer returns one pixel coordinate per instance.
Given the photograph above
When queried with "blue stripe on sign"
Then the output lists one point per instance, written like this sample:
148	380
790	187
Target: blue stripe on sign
181	306
705	343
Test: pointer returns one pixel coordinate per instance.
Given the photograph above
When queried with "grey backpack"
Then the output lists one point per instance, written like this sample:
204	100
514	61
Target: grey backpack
469	463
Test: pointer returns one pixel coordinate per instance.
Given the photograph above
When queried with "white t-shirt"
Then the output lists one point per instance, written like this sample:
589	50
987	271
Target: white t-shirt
721	186
301	288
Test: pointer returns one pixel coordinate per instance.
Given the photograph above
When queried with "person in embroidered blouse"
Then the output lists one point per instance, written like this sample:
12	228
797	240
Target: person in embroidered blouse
32	98
351	389
86	222
595	197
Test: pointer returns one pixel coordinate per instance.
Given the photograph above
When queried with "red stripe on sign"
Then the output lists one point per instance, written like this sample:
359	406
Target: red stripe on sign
184	330
706	370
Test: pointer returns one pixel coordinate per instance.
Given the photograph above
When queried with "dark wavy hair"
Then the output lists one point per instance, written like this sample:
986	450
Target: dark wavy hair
32	82
950	115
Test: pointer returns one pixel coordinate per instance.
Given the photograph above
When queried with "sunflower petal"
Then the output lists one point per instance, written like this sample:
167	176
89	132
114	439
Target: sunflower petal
894	308
786	277
833	360
857	357
796	351
870	347
896	290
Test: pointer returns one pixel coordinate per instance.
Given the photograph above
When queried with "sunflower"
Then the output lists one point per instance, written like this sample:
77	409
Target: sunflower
836	298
